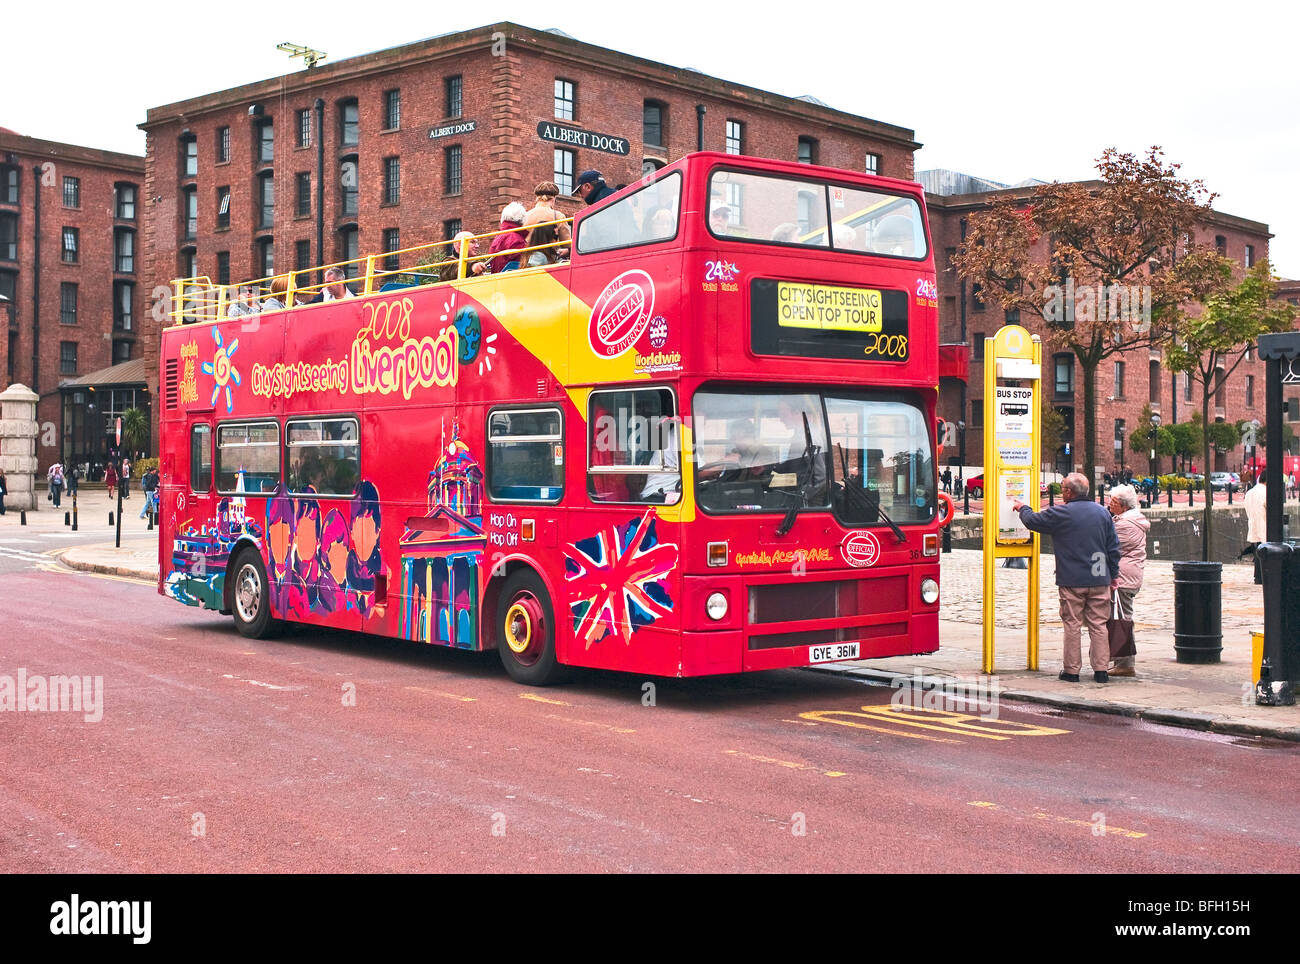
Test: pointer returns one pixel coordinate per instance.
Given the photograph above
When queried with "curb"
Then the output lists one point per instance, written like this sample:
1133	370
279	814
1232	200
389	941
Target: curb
1152	714
143	575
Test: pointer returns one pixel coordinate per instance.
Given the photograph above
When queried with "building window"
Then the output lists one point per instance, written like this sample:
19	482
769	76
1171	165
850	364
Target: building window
303	182
1064	364
450	228
807	150
190	212
1119	379
301	255
451	180
124	304
8	237
9	285
1250	353
304	128
565	99
223	207
349	123
71	245
189	258
121	352
1250	391
735	139
392	110
564	163
223	145
873	163
1119	437
349	249
1187	386
1011	316
266	200
1220	244
67	358
977	413
72	192
189	156
392	242
124	251
348	185
454	103
977	297
1250	256
223	267
67	303
265	142
266	256
652	123
125	201
392	180
8	185
977	346
1154	380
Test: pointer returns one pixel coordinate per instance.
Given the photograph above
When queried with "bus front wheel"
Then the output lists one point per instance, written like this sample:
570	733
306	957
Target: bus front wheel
526	630
250	597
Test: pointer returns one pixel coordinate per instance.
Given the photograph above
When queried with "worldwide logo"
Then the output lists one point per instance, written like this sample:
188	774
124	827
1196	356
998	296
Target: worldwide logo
658	331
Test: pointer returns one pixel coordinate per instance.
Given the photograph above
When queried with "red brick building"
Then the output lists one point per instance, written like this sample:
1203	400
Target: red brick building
1126	382
408	145
70	270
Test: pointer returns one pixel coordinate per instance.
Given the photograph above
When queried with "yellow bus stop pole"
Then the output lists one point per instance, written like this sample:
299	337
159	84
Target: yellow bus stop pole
990	483
1037	502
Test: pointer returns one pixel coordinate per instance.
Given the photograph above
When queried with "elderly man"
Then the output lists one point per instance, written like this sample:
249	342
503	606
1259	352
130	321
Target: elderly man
1087	569
336	287
591	187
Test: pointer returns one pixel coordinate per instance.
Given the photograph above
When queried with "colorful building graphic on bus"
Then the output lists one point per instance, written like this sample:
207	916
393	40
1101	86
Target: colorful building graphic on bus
442	553
201	553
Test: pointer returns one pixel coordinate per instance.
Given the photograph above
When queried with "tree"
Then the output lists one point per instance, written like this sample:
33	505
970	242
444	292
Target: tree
135	431
1051	428
1096	261
1210	345
1147	437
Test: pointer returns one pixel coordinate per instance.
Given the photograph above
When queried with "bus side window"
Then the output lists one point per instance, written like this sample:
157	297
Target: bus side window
634	447
525	455
200	458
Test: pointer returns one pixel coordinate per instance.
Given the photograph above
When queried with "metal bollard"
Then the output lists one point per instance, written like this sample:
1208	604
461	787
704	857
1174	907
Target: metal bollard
1170	492
22	518
74	515
110	516
67	518
1051	497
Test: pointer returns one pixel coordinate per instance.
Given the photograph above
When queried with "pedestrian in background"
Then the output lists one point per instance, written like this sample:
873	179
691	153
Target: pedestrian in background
1131	530
55	478
149	484
1087	570
110	478
4	490
73	477
124	478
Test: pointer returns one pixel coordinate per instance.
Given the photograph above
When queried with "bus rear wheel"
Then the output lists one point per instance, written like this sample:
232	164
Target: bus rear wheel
526	630
250	597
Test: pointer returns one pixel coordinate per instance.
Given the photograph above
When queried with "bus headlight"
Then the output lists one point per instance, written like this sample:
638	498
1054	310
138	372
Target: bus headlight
929	592
716	605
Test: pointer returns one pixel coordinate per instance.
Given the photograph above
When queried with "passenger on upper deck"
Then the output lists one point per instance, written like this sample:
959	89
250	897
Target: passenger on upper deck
451	256
279	288
543	211
591	187
505	246
336	288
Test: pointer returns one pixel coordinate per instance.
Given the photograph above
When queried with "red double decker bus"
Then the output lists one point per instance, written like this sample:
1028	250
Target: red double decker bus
704	443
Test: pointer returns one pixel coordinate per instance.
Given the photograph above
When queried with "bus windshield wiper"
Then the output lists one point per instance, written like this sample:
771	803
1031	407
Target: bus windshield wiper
805	488
865	501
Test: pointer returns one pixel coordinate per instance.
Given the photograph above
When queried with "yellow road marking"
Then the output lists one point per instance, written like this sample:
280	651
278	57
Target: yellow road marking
607	726
944	721
827	716
542	699
449	696
1037	814
788	764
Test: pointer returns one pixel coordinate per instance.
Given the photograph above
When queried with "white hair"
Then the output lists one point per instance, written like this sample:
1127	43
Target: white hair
1077	484
514	211
1126	494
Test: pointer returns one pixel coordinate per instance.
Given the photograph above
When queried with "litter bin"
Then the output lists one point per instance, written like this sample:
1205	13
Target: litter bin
1198	603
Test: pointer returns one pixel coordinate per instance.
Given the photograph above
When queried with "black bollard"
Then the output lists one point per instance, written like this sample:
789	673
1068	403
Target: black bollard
1051	497
74	515
1229	495
22	517
67	518
1170	492
110	516
151	519
1191	495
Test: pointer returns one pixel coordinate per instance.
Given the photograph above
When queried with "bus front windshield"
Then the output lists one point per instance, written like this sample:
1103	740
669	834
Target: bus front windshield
866	456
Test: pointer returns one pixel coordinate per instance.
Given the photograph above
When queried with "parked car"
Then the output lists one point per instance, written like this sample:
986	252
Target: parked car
1224	481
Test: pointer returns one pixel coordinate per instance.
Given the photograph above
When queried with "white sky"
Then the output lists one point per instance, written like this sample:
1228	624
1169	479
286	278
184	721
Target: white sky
1004	91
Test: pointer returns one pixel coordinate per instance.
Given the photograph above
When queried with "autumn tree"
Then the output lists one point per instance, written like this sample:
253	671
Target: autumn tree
1148	438
1212	342
1094	260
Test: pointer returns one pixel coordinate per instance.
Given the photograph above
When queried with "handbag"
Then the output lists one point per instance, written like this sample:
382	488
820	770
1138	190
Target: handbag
1121	632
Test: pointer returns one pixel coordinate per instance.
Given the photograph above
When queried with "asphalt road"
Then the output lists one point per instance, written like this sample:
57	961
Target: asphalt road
332	752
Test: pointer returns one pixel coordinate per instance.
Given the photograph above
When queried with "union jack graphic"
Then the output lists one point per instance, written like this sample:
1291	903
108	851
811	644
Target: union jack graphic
618	580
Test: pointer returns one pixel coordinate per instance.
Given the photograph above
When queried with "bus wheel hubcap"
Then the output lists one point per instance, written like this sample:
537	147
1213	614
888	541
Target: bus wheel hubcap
525	627
248	594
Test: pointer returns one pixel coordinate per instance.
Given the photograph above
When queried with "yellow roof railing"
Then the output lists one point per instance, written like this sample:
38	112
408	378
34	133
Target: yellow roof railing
197	300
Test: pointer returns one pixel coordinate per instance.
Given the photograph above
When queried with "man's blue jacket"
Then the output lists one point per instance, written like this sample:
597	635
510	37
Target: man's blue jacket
1083	539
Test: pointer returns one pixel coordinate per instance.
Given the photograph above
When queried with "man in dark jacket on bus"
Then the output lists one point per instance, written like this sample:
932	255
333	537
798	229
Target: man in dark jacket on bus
1087	571
591	187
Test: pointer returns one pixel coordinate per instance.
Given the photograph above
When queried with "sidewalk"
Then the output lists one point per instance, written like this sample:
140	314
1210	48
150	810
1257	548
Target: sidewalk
136	559
1208	696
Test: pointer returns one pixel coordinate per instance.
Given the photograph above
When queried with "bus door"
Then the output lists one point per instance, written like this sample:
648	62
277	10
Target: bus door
197	563
621	554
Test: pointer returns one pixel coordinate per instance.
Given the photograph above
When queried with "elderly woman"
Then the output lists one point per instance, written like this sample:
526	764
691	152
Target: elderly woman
1131	528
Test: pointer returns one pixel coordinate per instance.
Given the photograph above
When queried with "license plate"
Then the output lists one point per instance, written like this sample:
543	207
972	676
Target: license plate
832	652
